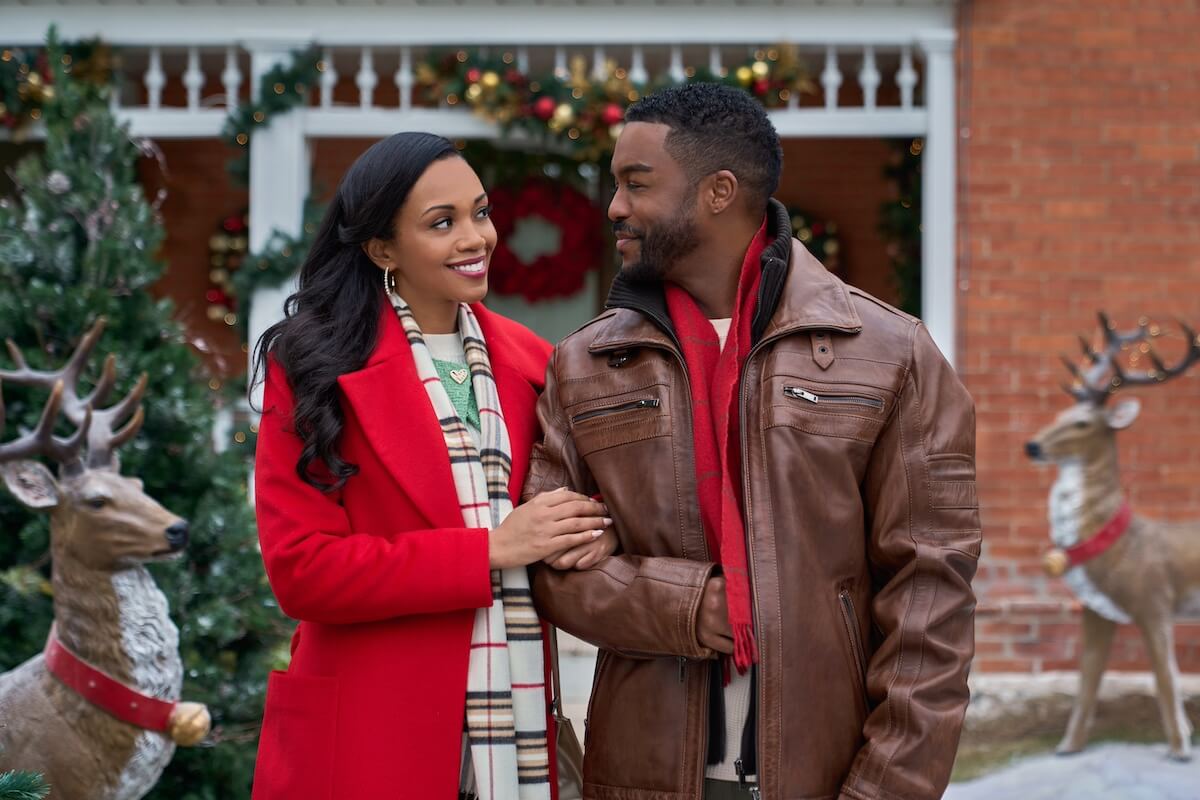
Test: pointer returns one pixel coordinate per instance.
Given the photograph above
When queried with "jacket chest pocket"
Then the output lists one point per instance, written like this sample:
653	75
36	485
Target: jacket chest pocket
846	411
604	423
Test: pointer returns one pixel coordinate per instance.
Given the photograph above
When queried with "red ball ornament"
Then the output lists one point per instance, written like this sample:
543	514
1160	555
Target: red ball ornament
214	295
760	87
543	108
514	77
612	114
233	224
473	75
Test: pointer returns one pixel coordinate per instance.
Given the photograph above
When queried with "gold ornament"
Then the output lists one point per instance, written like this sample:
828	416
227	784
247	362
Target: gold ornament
614	131
189	724
474	92
219	243
1055	563
744	75
760	69
564	116
215	312
490	80
218	276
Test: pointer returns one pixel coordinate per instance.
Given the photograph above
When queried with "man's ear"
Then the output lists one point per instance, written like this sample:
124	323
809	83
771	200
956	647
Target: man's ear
380	252
32	484
721	189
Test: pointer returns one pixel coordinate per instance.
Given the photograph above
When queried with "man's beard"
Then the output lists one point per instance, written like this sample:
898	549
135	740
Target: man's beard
660	247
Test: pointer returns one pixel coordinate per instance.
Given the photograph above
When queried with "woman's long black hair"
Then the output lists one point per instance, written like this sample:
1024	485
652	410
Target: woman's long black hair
331	323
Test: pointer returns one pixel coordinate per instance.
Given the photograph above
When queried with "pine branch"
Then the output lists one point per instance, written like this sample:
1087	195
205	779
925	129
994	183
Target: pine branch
22	786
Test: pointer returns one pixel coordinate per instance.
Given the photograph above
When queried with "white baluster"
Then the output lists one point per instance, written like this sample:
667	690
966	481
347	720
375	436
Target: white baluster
404	78
831	78
676	69
906	78
366	78
637	67
193	79
868	78
155	80
560	63
599	65
231	78
523	60
714	60
329	79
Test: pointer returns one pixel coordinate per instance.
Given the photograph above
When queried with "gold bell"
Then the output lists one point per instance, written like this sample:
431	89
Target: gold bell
189	724
1055	563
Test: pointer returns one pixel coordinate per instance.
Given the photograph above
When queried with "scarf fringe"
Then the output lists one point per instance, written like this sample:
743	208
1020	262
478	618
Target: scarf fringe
745	648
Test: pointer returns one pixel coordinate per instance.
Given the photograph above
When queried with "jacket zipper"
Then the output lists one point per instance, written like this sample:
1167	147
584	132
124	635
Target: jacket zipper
652	402
856	644
800	393
601	664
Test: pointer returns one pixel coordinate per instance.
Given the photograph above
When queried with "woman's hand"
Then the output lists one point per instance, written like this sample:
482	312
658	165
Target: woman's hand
586	555
551	523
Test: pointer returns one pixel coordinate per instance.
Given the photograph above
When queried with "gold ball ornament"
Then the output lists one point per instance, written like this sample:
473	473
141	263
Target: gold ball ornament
216	313
1055	563
219	243
744	75
473	92
564	115
490	80
218	276
760	69
189	724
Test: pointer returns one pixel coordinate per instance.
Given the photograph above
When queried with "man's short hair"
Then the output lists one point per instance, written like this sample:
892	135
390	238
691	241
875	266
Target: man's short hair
716	127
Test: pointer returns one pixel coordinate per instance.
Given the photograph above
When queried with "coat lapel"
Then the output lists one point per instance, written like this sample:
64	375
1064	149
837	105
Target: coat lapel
394	411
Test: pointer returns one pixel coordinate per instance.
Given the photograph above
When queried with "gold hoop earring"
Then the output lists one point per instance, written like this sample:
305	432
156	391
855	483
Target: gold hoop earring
389	282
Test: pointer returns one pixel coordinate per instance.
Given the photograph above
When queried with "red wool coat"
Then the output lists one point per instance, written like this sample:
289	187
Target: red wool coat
384	580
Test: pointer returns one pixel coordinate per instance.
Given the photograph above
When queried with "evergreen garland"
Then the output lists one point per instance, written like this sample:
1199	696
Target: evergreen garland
900	222
22	786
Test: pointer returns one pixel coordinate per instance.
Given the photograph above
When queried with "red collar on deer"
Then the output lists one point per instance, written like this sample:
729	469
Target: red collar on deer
104	691
1104	538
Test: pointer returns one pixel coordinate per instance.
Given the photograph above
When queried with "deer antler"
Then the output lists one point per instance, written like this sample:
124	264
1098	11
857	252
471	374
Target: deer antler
41	441
1105	374
103	437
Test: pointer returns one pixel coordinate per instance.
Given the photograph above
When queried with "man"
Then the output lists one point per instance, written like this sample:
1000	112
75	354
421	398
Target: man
790	466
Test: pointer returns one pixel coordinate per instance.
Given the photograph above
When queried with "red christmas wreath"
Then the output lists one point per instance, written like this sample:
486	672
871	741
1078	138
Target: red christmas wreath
558	274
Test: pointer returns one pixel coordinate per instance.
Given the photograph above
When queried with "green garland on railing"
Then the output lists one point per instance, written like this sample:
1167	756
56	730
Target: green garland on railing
281	89
279	259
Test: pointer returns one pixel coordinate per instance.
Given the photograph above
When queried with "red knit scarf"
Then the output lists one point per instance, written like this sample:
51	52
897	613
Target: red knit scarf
715	374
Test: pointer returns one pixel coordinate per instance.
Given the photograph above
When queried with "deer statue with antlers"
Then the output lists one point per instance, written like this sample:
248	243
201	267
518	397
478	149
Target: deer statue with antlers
1121	566
98	711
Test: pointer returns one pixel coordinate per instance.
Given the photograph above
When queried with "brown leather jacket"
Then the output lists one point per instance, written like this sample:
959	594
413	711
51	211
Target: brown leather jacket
862	526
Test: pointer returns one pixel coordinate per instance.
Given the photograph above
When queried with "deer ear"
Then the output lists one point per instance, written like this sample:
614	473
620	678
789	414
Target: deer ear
31	483
1123	414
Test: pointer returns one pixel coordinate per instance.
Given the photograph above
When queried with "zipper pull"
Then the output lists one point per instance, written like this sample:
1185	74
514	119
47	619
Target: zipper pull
740	769
801	394
755	792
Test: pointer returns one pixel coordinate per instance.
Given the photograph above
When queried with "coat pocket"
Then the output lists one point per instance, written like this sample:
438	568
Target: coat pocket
630	417
299	733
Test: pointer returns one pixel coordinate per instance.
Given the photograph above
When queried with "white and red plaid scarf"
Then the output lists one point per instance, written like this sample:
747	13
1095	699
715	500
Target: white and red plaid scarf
506	700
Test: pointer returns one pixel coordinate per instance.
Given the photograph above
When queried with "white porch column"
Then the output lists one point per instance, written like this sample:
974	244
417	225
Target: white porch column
279	179
939	193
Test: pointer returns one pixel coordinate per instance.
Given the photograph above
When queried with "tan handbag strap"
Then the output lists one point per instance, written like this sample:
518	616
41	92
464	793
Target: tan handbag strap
556	681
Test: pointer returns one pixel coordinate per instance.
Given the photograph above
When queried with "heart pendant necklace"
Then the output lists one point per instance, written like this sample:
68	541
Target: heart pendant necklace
459	376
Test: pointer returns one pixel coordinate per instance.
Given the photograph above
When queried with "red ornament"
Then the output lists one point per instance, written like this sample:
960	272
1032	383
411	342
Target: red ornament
612	114
514	77
760	87
473	75
214	295
233	224
581	245
543	108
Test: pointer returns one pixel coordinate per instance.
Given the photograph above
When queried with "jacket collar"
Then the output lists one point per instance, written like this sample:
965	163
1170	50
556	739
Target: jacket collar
797	293
390	403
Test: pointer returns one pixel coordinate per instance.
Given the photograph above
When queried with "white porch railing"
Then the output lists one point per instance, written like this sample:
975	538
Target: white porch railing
882	69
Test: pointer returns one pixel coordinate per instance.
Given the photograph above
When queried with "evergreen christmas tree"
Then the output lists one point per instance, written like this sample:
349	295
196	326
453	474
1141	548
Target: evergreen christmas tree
79	241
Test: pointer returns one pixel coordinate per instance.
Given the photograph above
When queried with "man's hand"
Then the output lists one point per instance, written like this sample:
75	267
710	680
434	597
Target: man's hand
712	625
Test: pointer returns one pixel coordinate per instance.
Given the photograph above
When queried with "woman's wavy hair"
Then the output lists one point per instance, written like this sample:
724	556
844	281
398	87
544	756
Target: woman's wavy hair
331	323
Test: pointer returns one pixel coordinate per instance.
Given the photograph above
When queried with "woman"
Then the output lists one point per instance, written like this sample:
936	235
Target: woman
398	419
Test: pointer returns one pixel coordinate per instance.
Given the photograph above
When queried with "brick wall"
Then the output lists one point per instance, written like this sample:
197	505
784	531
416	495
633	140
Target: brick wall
1080	189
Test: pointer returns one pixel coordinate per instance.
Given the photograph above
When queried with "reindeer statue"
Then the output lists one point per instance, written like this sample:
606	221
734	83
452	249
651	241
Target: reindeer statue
97	712
1122	566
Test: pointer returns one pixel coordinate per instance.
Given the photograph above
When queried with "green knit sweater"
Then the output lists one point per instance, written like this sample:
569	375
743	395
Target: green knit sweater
462	395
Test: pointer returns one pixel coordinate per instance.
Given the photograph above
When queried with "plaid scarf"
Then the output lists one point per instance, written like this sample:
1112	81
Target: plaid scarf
715	374
506	701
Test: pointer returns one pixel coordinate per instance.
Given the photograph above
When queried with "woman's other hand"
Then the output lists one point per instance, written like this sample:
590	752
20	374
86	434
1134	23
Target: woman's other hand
551	523
586	555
